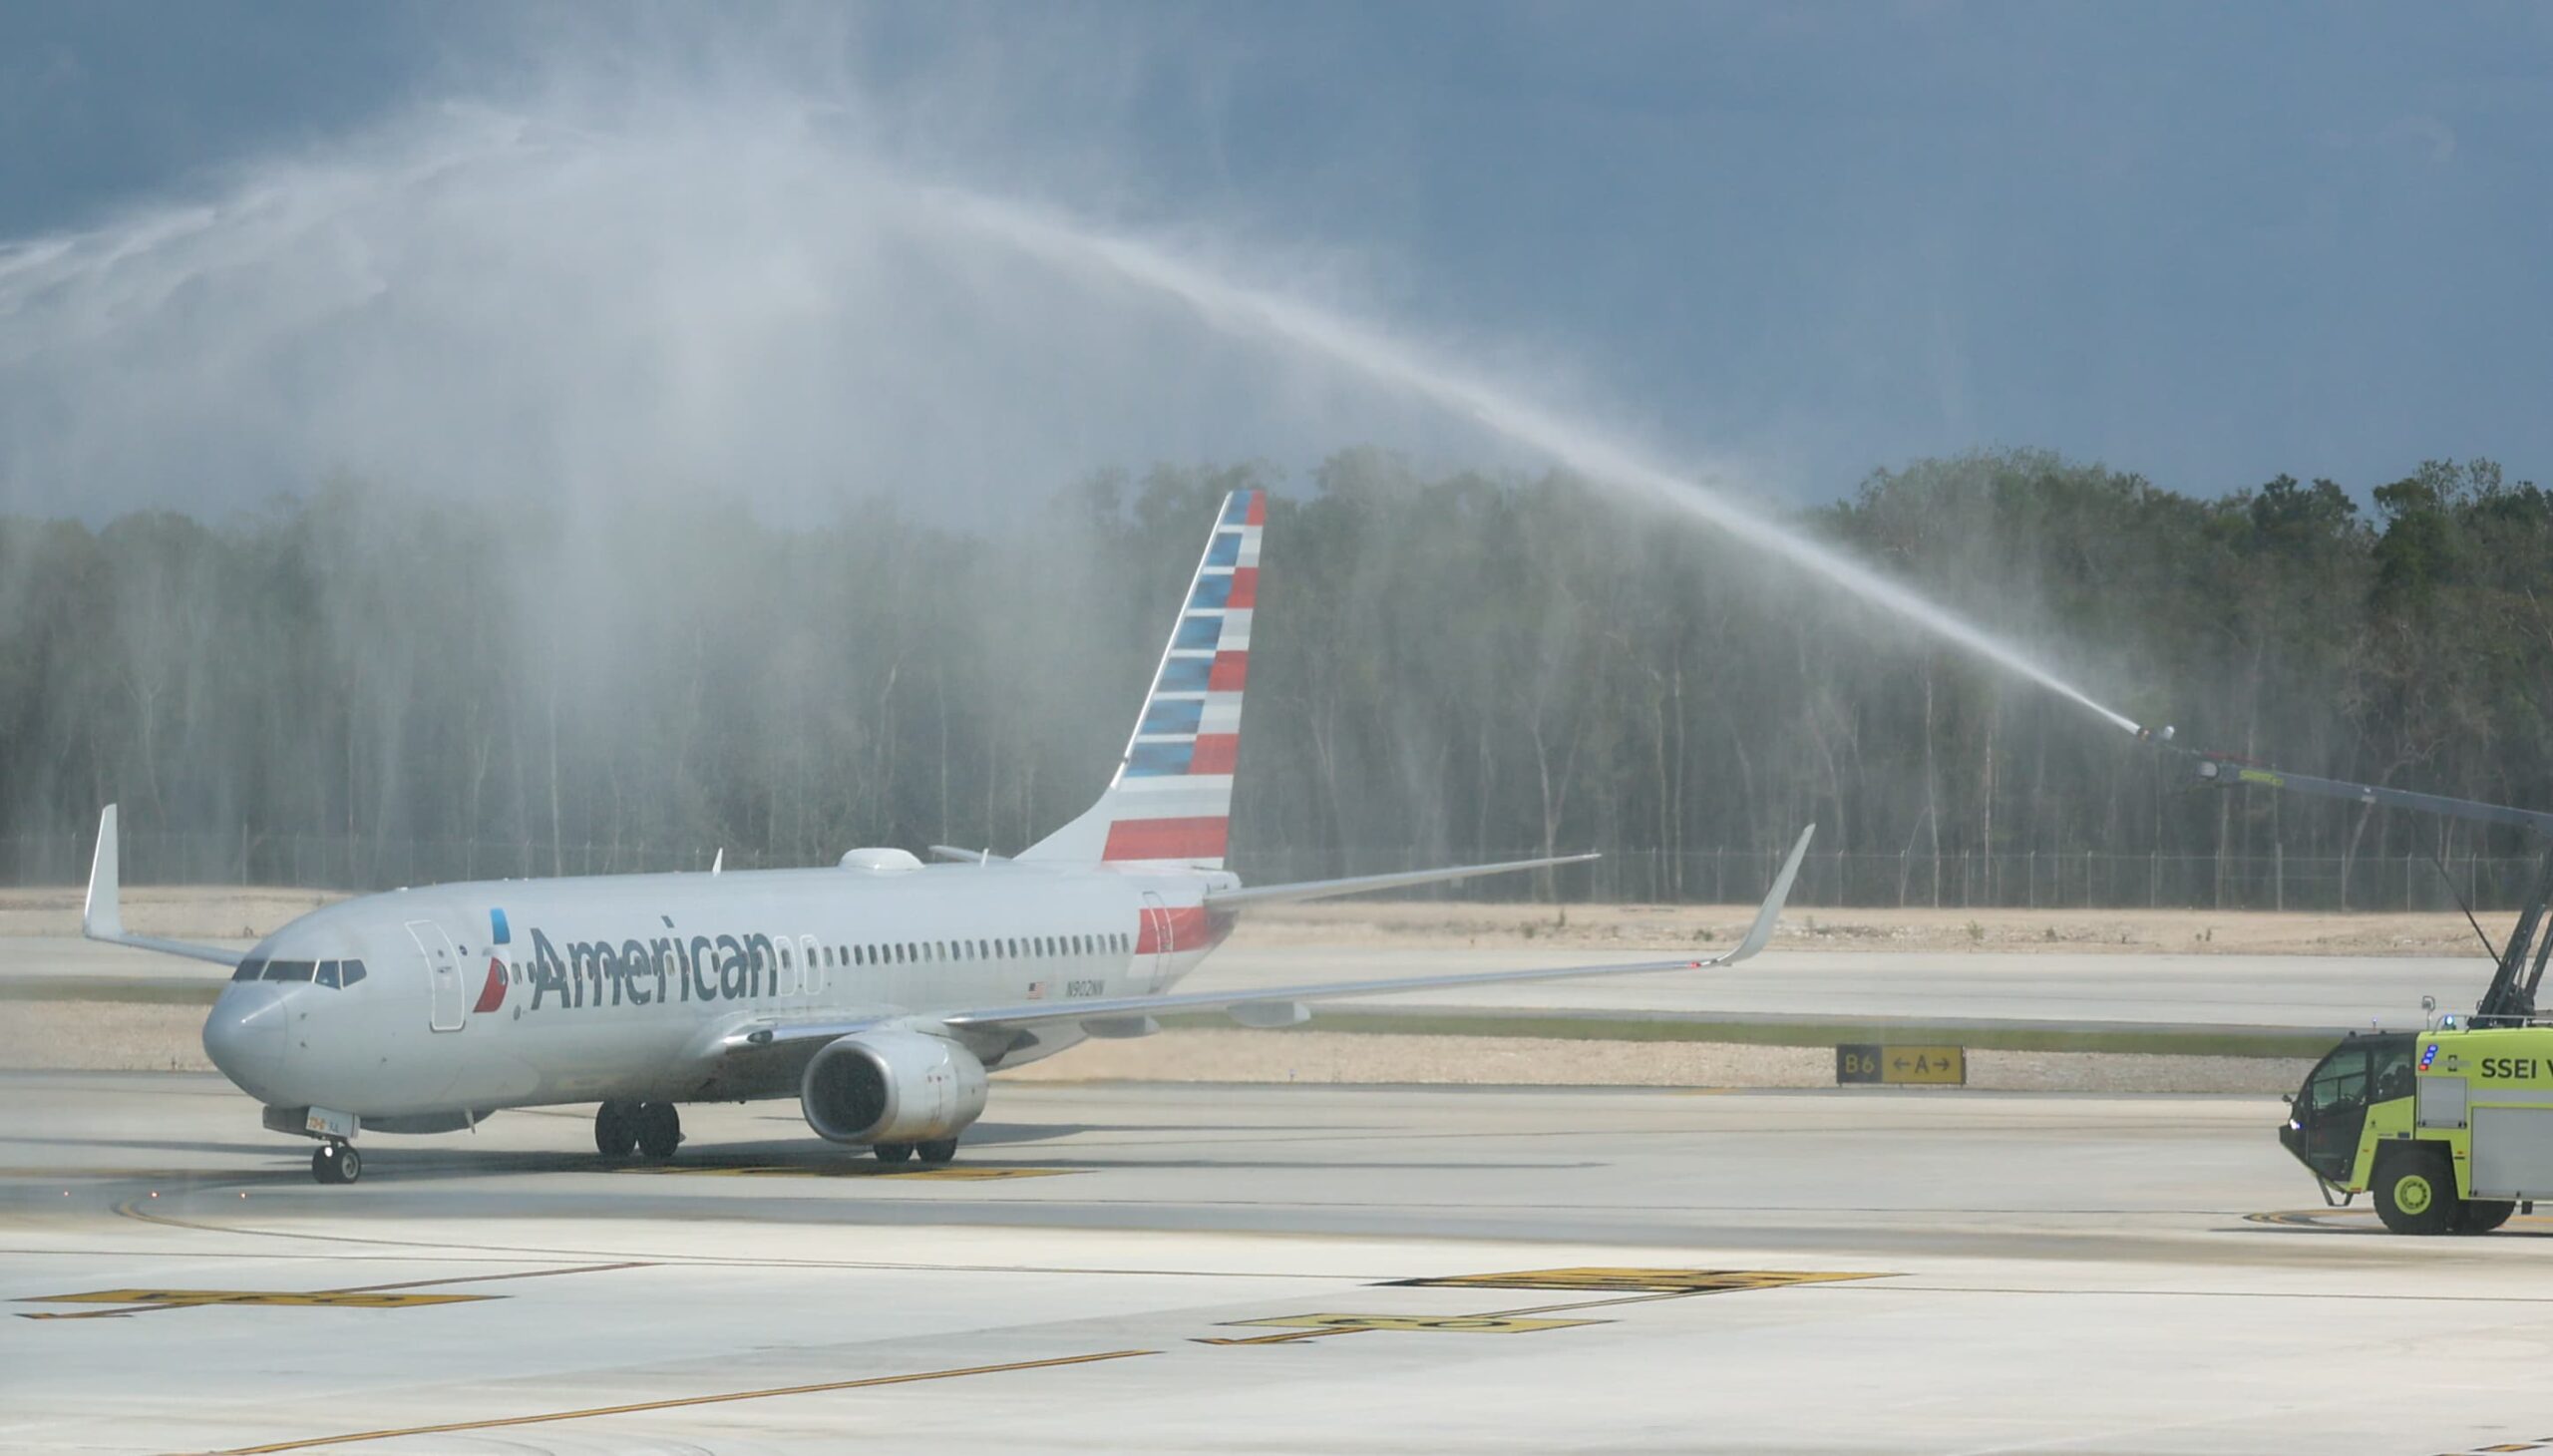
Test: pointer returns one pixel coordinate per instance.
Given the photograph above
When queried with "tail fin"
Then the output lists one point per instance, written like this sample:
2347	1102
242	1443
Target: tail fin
1170	803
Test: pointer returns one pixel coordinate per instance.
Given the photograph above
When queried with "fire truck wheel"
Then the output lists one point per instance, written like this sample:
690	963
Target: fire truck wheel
2416	1191
2482	1214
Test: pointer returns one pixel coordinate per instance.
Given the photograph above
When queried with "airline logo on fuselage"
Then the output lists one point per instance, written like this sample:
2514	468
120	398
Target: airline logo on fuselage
637	973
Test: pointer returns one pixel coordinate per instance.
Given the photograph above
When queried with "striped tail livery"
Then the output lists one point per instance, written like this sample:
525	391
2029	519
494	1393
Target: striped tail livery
1170	805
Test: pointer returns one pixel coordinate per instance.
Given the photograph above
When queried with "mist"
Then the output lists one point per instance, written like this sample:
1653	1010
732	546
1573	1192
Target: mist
739	297
656	458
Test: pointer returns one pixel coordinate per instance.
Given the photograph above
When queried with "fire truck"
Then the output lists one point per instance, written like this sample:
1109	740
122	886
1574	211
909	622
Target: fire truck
2451	1126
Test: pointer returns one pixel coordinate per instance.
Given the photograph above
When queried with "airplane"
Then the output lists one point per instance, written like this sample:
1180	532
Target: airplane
878	991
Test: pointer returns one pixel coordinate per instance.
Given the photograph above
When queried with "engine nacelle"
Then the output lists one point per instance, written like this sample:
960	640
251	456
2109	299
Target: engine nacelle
892	1086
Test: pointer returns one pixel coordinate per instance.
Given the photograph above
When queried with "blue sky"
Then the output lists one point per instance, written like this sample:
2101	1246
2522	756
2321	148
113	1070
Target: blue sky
2209	244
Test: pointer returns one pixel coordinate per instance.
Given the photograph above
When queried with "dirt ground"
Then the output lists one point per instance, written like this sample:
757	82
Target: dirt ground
230	913
1210	1054
1443	924
181	911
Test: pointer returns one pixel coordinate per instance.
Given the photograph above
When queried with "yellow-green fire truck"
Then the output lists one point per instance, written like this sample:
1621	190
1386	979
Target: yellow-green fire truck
2450	1128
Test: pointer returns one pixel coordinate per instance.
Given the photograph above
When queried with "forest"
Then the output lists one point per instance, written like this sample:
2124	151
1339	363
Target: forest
364	686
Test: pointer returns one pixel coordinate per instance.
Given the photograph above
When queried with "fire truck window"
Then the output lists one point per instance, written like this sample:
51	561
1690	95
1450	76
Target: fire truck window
2339	1082
2392	1073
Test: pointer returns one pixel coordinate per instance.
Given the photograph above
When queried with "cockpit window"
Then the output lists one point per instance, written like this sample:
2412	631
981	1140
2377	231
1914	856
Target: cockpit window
290	969
350	972
327	973
249	969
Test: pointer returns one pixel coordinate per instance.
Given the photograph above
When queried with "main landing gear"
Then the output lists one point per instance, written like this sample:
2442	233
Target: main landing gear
336	1162
932	1153
652	1128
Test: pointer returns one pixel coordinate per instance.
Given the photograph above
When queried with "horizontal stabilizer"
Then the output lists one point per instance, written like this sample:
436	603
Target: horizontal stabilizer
1360	884
967	856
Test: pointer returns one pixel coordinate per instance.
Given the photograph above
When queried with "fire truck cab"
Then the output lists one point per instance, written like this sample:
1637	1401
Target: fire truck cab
2450	1129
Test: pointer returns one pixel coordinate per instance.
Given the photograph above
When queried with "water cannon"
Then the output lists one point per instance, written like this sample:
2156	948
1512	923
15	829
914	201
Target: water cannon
2523	959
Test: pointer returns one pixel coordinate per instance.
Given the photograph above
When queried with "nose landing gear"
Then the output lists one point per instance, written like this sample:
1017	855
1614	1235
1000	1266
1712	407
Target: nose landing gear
336	1162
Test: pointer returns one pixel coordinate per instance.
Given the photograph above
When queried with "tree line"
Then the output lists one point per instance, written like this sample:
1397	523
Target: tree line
1447	666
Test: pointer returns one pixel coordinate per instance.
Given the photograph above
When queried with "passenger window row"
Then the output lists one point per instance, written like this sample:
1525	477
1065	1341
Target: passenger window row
1015	948
907	953
325	972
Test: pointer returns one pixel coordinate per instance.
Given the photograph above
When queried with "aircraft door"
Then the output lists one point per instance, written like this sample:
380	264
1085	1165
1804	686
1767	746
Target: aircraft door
1157	934
443	976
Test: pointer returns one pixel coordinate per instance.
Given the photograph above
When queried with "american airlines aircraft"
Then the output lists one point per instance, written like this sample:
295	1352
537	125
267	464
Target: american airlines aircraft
877	991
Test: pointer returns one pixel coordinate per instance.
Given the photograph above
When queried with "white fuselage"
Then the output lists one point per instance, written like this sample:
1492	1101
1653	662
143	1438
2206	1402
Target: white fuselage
512	993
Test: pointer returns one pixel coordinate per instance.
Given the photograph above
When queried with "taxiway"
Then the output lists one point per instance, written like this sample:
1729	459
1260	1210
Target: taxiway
1124	1269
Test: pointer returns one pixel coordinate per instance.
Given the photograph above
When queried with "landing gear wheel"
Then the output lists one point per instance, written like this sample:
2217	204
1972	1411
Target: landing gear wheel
336	1162
659	1129
893	1152
2415	1193
615	1129
937	1152
2482	1214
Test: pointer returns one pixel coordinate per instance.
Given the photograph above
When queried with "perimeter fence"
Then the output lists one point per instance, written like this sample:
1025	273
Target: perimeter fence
2081	880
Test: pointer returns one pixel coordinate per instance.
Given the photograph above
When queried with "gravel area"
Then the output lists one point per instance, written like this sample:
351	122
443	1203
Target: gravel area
125	1037
101	1036
1205	1054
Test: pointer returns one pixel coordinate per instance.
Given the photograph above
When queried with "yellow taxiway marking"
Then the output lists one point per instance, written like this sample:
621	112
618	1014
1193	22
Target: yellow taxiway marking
681	1401
360	1297
1622	1286
1659	1280
966	1174
1442	1323
195	1298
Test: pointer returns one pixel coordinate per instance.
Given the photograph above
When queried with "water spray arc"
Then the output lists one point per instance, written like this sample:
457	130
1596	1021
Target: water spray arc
341	315
1252	312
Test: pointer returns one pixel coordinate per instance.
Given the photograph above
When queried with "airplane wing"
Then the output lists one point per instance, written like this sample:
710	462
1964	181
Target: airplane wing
1282	1006
1265	1007
1359	884
102	915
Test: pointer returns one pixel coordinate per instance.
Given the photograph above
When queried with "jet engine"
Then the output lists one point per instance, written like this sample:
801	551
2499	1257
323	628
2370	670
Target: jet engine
892	1086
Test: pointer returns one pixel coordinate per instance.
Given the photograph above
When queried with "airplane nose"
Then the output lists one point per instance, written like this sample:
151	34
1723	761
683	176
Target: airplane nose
244	1035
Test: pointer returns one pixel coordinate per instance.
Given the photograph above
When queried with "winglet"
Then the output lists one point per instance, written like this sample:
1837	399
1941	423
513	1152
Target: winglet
102	915
1760	934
